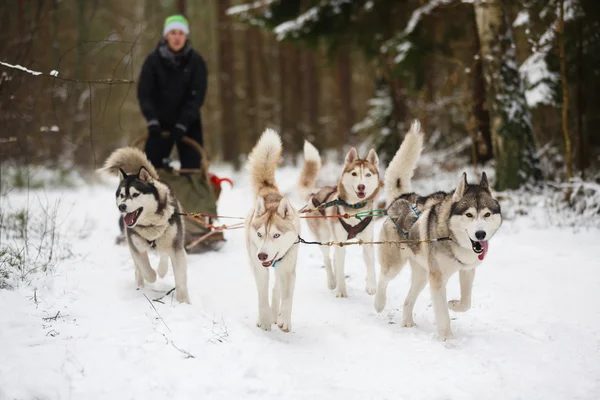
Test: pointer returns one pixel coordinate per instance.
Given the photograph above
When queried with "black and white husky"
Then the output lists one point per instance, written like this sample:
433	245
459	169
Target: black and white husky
150	215
469	217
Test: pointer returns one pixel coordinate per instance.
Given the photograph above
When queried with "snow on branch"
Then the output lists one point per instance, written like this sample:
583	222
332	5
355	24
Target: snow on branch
296	24
244	8
54	74
19	67
312	14
534	70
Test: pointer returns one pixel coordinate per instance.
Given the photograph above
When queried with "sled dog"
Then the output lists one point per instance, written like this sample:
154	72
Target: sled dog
468	217
356	190
149	211
272	229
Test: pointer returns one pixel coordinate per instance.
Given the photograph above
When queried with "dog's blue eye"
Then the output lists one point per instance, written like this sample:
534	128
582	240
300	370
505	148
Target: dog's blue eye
368	175
258	234
276	235
469	215
135	195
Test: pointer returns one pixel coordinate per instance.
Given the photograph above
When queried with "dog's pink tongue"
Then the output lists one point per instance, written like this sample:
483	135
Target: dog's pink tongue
128	218
484	247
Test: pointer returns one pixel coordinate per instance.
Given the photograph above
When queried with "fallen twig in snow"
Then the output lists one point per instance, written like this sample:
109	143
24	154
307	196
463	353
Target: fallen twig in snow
52	318
184	352
156	311
159	300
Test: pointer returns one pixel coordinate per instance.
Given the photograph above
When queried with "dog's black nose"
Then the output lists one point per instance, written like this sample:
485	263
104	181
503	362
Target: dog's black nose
361	187
262	256
480	235
122	207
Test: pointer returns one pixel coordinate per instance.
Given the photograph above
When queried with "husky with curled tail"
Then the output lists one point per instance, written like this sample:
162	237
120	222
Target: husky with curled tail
272	229
149	211
356	190
465	219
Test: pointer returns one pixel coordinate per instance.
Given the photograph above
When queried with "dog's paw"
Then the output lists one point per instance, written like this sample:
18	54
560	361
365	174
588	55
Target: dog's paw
182	296
445	335
456	305
264	322
139	279
341	293
163	267
408	323
150	276
285	324
371	287
331	283
380	301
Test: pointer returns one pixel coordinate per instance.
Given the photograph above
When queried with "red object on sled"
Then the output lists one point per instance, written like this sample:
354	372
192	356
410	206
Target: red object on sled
216	181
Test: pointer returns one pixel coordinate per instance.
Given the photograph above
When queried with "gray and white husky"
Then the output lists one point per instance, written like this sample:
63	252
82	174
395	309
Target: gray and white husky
355	191
469	217
150	214
272	229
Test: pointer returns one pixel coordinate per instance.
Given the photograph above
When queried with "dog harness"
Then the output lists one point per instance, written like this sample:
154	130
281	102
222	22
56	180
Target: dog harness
321	205
417	213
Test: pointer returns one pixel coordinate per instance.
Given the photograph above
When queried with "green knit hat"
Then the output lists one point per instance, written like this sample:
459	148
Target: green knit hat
176	22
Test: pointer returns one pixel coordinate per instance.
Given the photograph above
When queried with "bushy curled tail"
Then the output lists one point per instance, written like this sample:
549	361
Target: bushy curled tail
130	160
263	160
310	170
402	167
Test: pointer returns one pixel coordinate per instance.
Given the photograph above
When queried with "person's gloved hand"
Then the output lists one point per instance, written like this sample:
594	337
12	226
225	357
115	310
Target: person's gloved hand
178	132
154	128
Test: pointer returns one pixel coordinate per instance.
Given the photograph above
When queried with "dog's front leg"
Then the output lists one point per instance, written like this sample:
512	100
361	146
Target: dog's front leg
288	282
179	261
369	257
276	296
142	262
437	284
339	258
265	314
466	277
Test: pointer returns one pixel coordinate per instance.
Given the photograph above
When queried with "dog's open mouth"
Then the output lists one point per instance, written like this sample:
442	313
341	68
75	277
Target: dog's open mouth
267	264
480	248
361	195
131	218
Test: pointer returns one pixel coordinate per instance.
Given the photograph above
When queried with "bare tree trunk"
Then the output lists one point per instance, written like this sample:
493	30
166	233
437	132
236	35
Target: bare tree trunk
265	96
181	6
565	93
226	81
581	142
514	145
252	34
311	96
344	75
284	126
482	138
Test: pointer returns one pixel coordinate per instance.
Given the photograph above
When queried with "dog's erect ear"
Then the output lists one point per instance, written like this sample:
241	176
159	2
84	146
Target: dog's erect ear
484	182
351	156
460	189
122	174
372	158
144	175
260	208
285	208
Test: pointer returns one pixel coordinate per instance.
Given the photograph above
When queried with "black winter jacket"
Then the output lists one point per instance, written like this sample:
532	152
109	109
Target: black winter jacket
172	86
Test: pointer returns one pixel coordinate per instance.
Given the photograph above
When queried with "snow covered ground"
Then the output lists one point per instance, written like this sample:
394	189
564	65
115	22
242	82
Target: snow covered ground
533	331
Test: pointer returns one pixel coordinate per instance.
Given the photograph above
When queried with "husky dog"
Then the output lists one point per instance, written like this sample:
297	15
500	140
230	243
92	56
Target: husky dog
468	216
356	190
150	214
272	228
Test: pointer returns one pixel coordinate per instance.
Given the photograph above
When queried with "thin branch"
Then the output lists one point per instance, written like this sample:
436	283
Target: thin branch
156	311
50	75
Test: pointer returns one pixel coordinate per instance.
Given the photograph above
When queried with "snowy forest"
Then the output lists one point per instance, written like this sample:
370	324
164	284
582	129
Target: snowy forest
512	82
509	88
